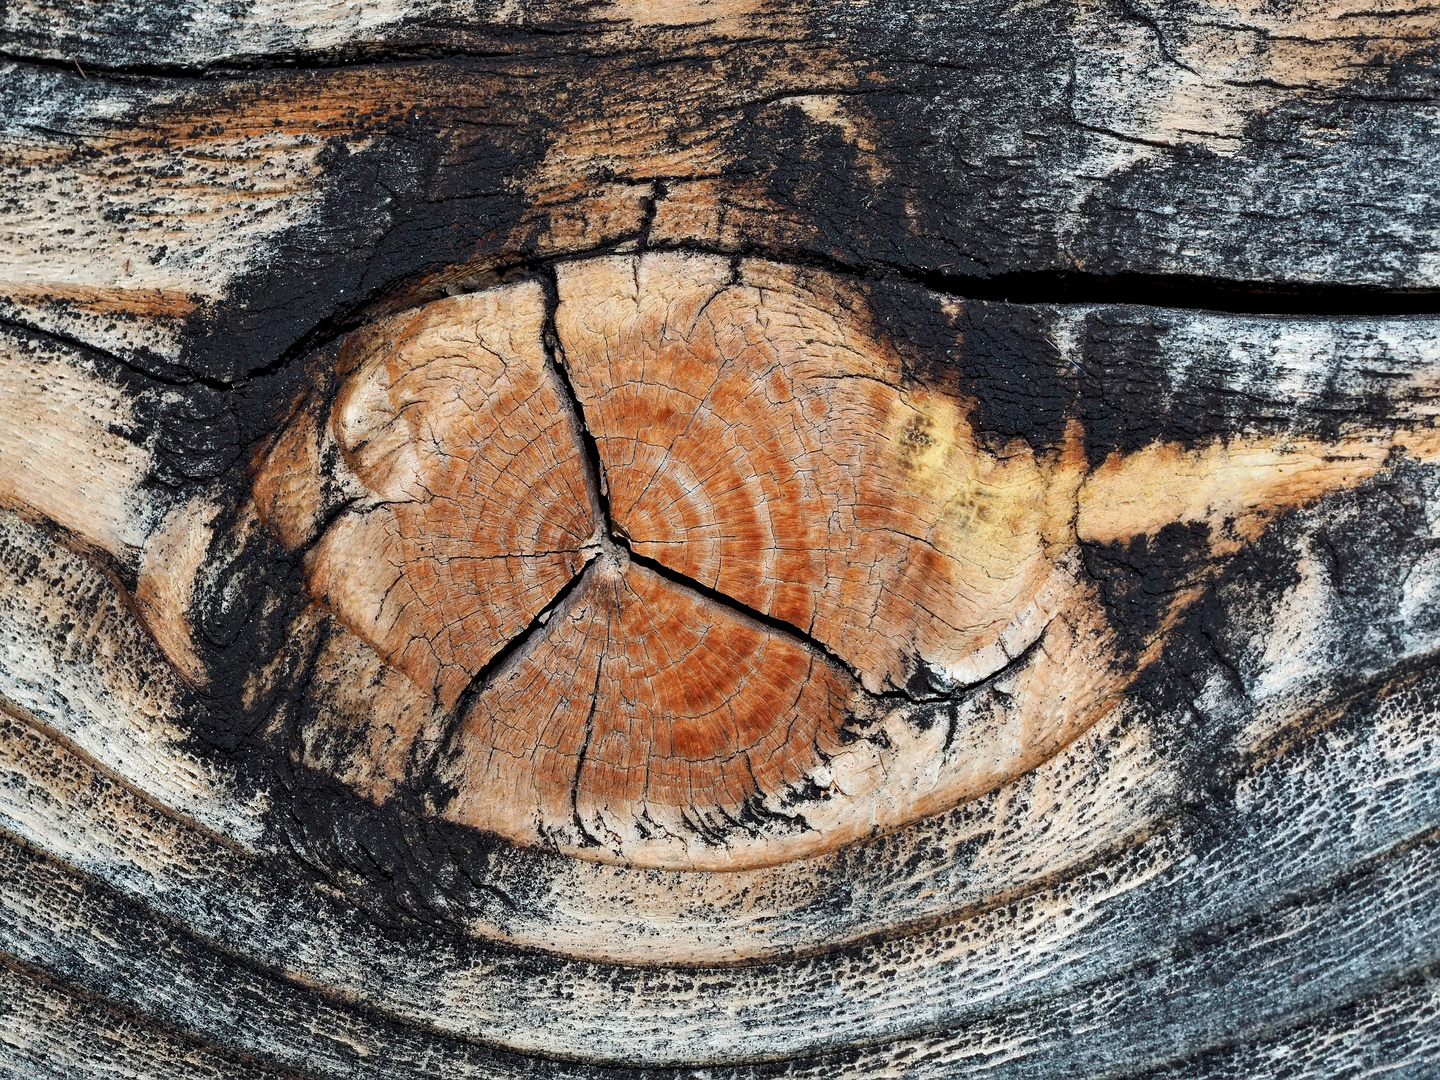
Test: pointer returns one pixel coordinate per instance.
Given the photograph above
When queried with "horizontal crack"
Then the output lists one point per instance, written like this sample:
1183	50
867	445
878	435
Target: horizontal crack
1193	292
533	45
1184	291
1175	291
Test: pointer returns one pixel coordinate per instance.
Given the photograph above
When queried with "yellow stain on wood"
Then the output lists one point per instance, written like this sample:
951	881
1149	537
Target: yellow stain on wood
1233	486
756	439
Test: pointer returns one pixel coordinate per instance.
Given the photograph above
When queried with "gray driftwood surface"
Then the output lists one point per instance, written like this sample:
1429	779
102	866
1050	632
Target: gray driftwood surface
1076	708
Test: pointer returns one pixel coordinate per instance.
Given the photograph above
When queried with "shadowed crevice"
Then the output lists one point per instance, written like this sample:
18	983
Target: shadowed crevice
1185	292
605	531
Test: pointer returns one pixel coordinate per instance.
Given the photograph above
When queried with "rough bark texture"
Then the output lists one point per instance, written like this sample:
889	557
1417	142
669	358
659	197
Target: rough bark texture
719	538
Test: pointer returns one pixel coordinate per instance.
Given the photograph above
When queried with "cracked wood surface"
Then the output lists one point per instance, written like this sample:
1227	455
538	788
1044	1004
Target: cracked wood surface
468	506
718	538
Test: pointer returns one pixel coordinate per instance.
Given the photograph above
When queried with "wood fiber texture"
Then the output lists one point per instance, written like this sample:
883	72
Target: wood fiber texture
719	538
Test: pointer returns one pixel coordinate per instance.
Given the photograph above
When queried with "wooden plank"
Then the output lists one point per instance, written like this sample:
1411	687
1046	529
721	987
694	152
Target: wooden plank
1158	880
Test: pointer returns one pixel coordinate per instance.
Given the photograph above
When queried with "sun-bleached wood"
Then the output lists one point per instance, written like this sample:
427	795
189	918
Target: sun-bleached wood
65	456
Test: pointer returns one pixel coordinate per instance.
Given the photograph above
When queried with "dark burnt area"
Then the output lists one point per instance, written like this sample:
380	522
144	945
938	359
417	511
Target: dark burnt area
1139	580
1364	544
246	597
411	872
391	213
191	424
1201	692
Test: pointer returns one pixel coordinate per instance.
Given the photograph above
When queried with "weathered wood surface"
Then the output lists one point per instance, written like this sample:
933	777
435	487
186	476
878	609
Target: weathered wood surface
717	539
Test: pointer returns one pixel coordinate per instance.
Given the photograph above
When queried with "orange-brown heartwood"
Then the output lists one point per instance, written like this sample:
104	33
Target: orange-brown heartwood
672	554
